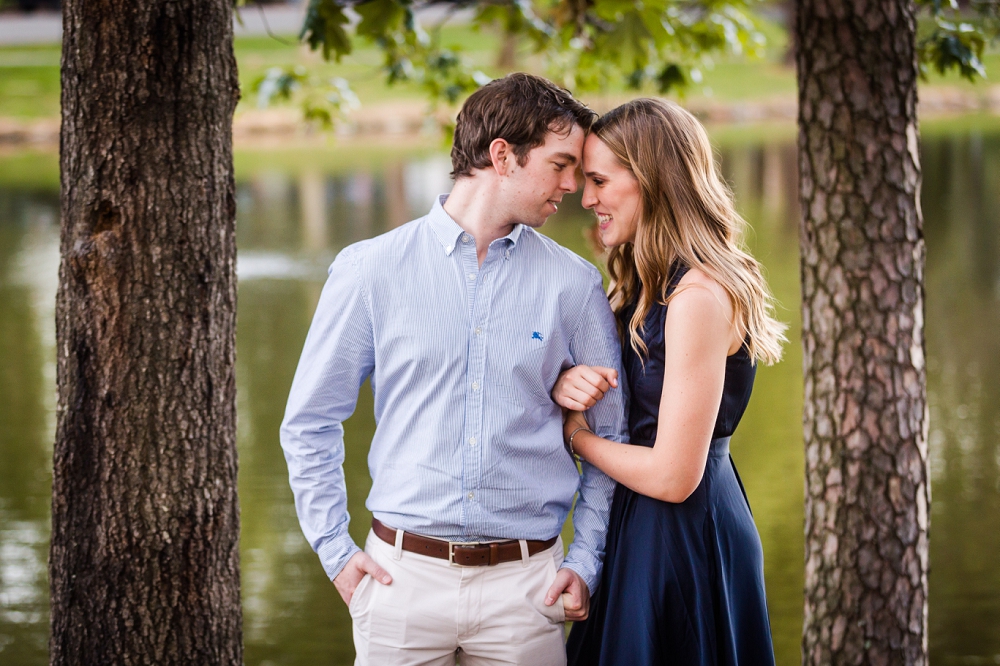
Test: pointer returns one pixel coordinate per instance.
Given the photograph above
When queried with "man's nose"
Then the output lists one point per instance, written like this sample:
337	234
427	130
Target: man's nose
569	182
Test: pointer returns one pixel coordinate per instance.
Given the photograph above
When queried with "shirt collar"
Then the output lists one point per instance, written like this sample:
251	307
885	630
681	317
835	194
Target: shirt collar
447	230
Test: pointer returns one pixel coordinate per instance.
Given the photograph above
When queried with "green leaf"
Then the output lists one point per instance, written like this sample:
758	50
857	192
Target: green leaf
324	28
380	17
670	77
953	47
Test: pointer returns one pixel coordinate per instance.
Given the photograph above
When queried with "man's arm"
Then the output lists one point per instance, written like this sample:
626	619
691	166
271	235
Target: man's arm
337	357
595	342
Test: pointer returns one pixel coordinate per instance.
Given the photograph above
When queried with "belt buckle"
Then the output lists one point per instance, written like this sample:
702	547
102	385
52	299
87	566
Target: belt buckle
451	552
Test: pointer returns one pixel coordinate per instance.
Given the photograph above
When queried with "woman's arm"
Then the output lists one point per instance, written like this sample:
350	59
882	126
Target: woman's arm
698	337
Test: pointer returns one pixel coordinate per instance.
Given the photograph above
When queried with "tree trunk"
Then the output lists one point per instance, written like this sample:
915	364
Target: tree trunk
144	565
865	419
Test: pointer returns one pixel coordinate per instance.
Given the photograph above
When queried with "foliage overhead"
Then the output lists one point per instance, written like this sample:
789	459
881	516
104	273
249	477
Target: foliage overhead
958	36
587	44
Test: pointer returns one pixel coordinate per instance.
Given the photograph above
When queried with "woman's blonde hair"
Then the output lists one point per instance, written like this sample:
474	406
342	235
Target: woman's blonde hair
687	216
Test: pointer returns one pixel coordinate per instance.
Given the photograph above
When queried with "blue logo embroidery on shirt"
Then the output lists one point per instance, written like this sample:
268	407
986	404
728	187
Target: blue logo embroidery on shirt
537	336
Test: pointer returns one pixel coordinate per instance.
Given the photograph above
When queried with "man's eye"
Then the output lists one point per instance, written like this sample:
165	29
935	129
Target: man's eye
560	166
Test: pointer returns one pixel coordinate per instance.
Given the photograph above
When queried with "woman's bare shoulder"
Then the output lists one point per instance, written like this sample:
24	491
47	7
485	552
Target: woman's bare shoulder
697	289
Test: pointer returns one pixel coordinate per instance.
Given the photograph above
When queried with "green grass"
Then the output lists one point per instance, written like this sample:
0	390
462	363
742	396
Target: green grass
29	81
30	170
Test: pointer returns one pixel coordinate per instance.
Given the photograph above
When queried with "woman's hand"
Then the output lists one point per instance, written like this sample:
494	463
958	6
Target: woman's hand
581	386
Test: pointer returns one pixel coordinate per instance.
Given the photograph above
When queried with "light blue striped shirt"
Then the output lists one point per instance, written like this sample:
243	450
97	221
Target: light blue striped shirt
462	359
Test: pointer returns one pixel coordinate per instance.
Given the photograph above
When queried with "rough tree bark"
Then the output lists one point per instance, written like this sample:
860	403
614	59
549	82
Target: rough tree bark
865	419
144	565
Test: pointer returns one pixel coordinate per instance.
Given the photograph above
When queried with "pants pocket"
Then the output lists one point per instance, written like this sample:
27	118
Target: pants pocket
556	613
358	597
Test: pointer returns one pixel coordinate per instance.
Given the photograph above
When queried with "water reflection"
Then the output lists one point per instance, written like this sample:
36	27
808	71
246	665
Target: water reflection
291	223
28	244
963	316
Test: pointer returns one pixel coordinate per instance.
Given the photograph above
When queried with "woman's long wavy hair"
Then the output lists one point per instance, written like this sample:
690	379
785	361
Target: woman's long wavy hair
686	215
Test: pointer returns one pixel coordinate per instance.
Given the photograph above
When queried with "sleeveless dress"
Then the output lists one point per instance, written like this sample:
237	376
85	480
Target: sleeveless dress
682	583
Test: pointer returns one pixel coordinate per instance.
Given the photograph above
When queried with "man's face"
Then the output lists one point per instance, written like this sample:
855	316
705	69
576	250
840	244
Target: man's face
535	189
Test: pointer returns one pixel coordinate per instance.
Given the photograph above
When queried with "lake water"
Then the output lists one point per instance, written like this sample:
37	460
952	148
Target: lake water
297	209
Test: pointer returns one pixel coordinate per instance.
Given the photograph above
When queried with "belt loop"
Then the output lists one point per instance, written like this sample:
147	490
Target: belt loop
399	545
524	552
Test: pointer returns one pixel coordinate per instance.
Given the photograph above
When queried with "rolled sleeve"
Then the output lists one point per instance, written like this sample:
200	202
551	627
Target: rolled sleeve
595	342
337	358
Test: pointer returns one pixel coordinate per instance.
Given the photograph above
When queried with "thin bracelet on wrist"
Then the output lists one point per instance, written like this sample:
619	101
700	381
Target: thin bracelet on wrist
570	441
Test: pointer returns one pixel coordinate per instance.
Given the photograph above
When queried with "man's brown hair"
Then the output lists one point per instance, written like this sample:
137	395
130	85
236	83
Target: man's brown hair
519	108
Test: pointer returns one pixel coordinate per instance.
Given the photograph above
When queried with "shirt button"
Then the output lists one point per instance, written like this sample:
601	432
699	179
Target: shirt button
475	386
448	249
472	440
466	238
508	254
471	495
472	276
479	331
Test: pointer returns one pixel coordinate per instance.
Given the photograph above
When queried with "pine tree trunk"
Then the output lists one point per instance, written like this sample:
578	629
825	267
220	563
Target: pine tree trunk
865	419
144	565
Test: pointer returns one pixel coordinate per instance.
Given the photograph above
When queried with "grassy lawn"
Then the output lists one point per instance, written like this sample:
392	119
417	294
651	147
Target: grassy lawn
29	76
29	81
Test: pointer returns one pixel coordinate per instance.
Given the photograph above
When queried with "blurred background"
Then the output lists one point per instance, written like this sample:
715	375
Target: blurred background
303	194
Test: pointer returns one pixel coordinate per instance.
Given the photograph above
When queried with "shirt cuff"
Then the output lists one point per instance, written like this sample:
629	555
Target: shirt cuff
335	553
589	575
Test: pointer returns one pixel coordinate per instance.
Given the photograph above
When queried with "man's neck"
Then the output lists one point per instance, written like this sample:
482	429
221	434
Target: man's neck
475	204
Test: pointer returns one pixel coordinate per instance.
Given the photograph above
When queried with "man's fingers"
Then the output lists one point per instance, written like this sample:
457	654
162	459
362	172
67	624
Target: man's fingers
571	602
574	593
377	572
561	584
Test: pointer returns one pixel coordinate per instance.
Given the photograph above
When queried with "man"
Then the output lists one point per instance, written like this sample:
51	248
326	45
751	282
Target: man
463	319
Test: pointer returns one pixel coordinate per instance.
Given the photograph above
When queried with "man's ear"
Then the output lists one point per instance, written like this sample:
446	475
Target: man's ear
501	155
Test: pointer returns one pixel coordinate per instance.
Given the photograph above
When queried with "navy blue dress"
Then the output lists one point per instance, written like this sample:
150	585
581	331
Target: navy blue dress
682	583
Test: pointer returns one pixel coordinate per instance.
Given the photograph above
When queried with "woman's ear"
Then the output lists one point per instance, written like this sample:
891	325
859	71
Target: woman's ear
501	156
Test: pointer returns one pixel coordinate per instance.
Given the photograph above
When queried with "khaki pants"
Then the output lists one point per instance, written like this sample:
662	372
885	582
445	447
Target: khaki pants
433	612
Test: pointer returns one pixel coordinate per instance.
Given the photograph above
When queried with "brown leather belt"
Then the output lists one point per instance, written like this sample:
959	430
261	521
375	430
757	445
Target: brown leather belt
460	553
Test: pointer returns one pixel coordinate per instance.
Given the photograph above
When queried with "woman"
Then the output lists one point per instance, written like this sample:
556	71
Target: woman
683	579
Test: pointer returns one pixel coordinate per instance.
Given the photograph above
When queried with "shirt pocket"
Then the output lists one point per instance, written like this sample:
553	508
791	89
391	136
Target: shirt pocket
529	361
523	379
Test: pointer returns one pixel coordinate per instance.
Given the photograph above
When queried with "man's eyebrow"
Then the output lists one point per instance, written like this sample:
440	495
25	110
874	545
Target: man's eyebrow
568	157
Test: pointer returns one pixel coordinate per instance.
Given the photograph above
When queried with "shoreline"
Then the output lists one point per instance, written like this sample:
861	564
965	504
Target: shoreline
409	121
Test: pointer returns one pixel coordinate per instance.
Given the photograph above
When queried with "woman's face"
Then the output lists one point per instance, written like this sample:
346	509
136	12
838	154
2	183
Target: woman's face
612	191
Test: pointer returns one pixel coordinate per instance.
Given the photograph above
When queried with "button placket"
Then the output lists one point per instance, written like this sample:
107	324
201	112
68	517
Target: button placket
481	286
473	277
